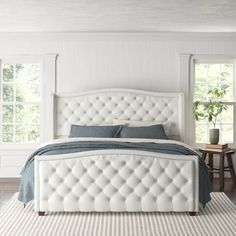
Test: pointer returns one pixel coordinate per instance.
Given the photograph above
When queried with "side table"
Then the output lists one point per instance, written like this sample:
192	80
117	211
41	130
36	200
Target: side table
222	153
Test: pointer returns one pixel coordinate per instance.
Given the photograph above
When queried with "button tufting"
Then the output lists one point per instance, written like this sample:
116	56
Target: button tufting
91	184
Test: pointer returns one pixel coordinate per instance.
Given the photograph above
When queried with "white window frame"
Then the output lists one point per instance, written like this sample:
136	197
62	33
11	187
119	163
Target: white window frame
187	83
47	88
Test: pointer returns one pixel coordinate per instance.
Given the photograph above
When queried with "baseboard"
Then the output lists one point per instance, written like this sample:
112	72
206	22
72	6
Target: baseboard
9	180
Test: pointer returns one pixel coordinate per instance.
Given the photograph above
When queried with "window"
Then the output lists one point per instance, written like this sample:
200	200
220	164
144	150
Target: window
209	75
20	102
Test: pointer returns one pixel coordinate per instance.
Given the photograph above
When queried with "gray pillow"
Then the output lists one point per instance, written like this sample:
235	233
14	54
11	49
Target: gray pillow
94	131
152	132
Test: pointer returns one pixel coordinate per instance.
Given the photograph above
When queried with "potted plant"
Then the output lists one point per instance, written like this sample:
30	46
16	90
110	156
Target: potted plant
211	110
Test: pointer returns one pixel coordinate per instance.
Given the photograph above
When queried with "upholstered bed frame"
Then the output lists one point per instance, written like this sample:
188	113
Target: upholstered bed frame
98	180
103	106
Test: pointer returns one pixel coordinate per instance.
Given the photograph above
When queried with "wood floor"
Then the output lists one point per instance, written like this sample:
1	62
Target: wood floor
7	189
230	189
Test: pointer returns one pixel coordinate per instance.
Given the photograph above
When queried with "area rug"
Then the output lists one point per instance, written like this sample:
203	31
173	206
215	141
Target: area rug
218	218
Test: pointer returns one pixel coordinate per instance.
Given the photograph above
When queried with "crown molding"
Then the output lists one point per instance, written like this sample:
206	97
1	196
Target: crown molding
150	35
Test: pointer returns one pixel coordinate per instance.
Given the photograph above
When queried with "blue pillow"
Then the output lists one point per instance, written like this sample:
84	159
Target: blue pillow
94	131
152	132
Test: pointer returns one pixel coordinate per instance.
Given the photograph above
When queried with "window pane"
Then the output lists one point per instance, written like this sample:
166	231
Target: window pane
8	72
227	133
28	73
228	115
21	133
27	92
201	73
20	92
34	93
33	133
7	114
27	82
200	91
21	113
33	114
201	133
213	75
8	93
7	133
210	86
227	80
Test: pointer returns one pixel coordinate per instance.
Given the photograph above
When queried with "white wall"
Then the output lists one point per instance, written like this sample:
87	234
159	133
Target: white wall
133	60
145	61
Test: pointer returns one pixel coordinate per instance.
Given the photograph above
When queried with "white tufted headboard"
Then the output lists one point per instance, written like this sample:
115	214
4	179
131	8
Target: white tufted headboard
102	106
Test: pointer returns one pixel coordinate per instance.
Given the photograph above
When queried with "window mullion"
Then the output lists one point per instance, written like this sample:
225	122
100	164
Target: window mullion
14	106
1	99
219	79
220	84
234	98
206	85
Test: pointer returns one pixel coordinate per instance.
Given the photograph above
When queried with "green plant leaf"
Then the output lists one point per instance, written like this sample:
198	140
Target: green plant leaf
213	108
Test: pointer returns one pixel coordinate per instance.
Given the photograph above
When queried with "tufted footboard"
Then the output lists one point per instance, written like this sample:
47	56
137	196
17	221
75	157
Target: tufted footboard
116	180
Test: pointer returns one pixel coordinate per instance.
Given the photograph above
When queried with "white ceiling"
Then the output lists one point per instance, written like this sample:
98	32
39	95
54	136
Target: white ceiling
117	15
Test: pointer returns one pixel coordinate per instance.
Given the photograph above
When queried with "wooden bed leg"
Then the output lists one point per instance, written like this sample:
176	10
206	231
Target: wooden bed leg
192	213
41	213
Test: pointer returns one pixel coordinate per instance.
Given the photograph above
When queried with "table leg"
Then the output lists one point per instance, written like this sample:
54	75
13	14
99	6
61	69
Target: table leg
222	158
210	156
231	167
204	155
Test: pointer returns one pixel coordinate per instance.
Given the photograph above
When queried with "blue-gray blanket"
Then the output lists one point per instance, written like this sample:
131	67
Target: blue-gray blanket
26	191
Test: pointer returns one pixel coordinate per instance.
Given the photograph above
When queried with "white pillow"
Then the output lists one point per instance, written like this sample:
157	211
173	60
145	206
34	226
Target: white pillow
138	123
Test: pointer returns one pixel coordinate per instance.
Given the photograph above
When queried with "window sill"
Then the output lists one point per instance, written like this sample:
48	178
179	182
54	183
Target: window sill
18	146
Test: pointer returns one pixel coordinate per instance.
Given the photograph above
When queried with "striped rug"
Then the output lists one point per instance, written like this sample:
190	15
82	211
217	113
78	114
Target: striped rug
218	218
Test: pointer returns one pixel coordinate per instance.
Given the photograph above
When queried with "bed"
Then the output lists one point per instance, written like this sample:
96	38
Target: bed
116	174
